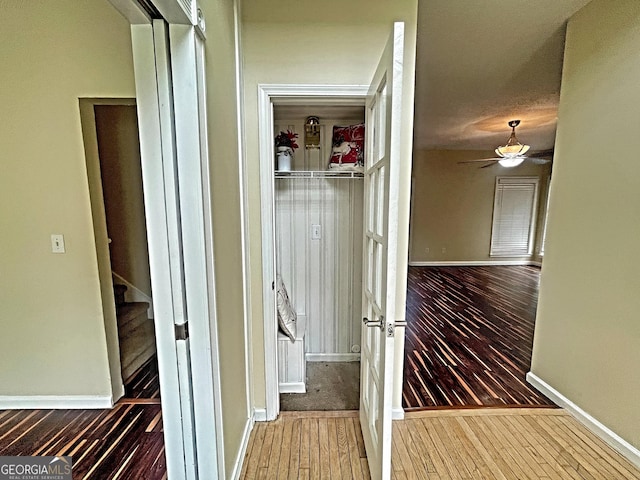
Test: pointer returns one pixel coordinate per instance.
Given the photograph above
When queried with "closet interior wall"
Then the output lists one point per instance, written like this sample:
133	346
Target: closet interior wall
323	275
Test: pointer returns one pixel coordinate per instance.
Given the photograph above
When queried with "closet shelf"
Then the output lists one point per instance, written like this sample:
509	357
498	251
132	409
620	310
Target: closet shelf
317	174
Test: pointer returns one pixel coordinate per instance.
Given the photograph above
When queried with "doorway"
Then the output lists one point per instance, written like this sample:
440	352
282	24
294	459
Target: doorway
318	231
307	239
111	136
473	283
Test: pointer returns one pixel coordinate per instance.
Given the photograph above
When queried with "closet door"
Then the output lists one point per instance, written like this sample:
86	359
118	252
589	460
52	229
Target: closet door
380	245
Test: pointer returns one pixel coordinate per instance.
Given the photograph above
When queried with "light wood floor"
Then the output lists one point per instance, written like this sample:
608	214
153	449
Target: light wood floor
440	444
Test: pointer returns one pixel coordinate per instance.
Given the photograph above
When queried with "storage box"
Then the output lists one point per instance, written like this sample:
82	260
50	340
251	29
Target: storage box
292	368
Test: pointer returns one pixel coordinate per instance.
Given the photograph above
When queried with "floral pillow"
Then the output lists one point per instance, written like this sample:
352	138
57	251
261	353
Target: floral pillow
347	146
286	314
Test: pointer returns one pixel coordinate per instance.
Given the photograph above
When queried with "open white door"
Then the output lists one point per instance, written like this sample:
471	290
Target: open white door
380	244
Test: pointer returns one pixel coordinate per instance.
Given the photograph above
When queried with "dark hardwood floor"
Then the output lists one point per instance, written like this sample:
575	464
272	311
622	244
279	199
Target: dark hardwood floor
469	337
144	383
123	443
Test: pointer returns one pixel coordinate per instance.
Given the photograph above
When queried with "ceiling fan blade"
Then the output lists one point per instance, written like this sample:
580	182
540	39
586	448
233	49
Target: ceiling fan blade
490	164
539	161
480	160
541	153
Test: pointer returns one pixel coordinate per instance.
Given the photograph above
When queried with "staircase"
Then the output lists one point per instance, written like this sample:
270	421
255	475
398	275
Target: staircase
135	332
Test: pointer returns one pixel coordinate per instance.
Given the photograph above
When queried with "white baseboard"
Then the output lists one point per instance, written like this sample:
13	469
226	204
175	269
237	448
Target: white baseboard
474	263
332	357
607	435
55	402
134	294
237	465
397	414
292	387
260	414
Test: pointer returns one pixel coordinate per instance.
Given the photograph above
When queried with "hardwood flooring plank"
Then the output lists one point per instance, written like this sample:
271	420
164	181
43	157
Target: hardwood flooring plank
456	469
425	453
314	449
494	448
334	457
402	462
265	451
295	447
304	443
323	443
476	464
354	451
252	458
435	456
479	451
276	451
285	452
356	428
343	449
419	458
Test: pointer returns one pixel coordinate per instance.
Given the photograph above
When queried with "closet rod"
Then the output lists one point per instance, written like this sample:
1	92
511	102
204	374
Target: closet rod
317	174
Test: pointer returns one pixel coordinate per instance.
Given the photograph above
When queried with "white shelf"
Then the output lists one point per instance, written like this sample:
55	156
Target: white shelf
317	174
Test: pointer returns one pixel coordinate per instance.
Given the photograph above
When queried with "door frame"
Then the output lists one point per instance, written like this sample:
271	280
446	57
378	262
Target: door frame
268	96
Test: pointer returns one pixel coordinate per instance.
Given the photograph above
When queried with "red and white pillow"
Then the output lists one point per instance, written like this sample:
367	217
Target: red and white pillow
347	148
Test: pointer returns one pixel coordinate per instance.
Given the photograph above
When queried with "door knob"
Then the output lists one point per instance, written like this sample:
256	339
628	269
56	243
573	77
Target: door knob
372	323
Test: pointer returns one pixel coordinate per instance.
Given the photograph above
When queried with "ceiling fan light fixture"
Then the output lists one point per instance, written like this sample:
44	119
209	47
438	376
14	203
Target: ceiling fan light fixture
509	162
513	148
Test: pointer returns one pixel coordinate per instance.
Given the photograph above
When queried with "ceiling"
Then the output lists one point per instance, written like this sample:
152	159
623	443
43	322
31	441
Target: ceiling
482	63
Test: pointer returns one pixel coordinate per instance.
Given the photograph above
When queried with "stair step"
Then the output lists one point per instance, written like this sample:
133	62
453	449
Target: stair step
137	347
130	316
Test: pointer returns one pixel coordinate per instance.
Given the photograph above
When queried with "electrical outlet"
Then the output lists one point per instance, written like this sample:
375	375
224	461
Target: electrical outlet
444	249
57	243
426	250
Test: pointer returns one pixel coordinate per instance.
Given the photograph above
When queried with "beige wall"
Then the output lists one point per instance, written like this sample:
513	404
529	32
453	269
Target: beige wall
587	339
121	173
53	335
331	42
452	205
225	187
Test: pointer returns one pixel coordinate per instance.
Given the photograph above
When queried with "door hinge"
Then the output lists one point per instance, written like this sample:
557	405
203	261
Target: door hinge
182	331
273	285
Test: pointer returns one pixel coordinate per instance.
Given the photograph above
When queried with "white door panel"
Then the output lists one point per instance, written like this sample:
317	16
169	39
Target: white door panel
380	245
170	99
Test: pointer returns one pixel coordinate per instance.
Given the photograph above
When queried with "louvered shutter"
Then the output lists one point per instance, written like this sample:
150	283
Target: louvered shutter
514	213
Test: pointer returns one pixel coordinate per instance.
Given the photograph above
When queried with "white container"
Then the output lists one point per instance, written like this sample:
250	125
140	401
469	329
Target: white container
292	363
284	159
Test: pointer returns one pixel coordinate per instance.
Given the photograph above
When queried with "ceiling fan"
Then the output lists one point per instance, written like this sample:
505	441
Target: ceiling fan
513	153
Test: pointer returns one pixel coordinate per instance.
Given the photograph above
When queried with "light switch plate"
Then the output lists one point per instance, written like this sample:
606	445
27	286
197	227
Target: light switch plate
316	232
57	243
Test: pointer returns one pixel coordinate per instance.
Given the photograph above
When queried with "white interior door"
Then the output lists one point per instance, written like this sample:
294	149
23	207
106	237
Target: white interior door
170	100
380	245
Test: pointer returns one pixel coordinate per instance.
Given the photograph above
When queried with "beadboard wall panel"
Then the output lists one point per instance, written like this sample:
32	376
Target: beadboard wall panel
323	276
